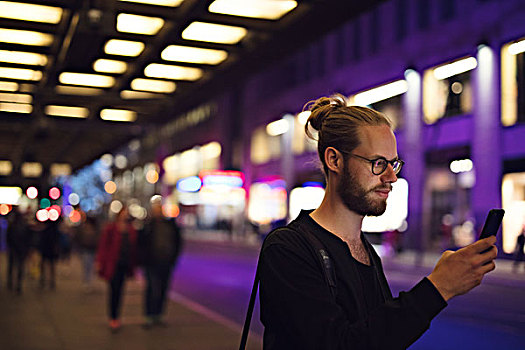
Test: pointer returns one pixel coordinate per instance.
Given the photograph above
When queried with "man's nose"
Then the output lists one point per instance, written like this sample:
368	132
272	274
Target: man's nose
389	175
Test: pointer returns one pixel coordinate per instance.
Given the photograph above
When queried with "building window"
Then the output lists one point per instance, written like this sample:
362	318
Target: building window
301	143
447	90
513	83
264	147
513	200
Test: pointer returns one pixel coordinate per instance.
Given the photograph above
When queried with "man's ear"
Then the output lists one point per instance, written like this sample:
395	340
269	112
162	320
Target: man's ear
333	160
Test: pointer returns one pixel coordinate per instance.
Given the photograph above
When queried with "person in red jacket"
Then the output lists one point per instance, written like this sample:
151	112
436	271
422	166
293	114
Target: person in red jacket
116	260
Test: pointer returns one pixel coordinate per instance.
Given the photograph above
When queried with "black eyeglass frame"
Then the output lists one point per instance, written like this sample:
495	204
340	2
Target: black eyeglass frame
391	162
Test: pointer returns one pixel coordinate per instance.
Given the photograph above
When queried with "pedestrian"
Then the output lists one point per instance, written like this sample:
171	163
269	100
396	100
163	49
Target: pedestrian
160	242
519	255
18	241
322	285
49	247
116	260
87	241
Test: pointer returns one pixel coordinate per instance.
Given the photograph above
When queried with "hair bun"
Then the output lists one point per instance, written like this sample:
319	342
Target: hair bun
322	108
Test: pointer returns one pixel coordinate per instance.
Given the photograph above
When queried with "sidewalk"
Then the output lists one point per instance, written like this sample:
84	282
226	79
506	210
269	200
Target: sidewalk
69	318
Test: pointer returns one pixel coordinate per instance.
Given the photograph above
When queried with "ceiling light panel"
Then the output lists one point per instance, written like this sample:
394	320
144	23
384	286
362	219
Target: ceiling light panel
8	86
17	98
264	9
15	107
128	23
165	71
193	55
110	66
170	3
20	73
153	85
124	47
30	12
130	94
77	90
118	115
214	33
95	80
21	57
25	37
60	169
67	111
5	167
31	169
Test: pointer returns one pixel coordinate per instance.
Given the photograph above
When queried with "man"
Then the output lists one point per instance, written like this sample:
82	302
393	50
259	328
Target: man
161	244
18	241
337	296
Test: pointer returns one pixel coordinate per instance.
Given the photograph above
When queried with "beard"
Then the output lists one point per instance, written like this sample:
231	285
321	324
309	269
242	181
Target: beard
358	199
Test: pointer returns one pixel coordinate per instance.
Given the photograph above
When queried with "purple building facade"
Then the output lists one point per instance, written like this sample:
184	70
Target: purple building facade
439	118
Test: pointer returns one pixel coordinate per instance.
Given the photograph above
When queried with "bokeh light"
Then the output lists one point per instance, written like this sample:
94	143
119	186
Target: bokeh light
170	210
5	209
53	214
45	203
57	208
32	192
152	176
121	161
42	215
54	193
107	160
67	210
75	216
115	206
74	199
110	187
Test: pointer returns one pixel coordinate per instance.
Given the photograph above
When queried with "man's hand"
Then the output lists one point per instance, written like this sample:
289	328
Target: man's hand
458	272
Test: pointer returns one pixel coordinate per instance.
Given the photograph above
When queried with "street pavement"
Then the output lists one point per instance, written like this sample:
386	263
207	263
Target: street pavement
208	300
68	318
218	275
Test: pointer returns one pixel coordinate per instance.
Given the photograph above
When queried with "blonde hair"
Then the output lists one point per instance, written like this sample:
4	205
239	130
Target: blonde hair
338	124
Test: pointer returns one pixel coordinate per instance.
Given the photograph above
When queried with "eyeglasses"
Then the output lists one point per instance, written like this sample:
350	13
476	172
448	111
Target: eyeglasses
380	164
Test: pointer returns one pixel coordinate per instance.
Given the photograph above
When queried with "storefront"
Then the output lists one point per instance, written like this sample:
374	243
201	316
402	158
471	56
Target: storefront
513	198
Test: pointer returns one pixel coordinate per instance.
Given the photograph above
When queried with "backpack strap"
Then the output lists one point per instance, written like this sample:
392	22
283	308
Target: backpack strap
249	313
322	255
326	265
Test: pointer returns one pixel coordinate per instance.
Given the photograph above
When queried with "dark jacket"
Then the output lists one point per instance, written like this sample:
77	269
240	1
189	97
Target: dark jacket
299	311
18	235
148	255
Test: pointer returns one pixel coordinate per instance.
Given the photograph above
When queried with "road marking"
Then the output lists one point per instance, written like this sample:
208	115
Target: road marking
212	315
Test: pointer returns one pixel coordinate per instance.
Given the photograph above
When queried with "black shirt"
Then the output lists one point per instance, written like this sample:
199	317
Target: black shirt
369	280
299	311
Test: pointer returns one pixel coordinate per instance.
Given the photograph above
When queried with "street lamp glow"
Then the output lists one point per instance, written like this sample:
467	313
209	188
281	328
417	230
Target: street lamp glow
455	68
381	93
517	48
277	127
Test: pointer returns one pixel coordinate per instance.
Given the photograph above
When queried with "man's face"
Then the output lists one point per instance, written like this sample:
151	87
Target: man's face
360	190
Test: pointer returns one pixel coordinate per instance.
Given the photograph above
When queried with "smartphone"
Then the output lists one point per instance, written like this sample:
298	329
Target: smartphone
492	223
